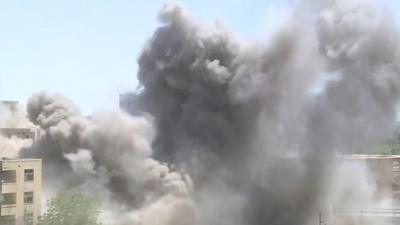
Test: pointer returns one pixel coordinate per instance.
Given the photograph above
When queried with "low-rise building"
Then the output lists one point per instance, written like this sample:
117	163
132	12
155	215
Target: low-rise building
12	106
20	191
385	171
22	133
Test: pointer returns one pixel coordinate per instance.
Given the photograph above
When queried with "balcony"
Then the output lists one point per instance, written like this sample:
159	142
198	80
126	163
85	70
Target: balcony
6	188
28	208
29	186
7	210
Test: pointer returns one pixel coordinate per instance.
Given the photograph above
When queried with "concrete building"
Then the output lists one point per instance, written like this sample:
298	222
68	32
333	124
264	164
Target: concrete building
20	188
12	106
385	170
22	133
14	129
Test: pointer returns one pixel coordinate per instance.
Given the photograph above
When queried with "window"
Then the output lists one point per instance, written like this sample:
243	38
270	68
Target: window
8	176
28	219
28	175
28	197
396	166
7	199
7	220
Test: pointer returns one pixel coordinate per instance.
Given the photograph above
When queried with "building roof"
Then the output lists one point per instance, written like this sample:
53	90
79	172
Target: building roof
19	160
11	129
371	156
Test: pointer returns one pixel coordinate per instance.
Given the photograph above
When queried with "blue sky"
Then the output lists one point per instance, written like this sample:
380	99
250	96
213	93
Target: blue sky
87	49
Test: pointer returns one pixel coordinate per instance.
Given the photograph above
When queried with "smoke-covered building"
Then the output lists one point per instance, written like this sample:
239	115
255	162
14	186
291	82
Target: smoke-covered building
22	133
20	191
385	171
10	105
20	179
384	174
16	132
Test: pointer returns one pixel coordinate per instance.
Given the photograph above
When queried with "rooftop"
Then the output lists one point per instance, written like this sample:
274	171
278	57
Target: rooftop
17	129
372	156
20	160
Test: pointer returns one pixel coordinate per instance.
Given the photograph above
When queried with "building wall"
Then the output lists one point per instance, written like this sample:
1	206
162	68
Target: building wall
12	106
21	210
384	171
23	133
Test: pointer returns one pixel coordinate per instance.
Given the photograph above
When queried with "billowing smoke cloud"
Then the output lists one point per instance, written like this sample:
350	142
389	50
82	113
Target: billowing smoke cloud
240	116
237	119
107	155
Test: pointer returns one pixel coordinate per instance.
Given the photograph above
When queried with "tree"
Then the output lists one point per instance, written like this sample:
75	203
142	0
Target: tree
70	208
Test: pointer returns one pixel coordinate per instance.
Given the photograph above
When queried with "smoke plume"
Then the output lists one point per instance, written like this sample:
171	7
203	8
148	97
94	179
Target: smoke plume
107	155
240	116
226	131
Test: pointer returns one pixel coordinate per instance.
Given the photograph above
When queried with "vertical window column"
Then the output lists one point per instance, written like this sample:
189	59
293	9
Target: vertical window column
28	197
28	175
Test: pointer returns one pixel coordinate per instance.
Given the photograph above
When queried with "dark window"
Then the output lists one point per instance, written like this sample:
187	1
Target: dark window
28	175
7	199
7	220
8	176
28	219
28	197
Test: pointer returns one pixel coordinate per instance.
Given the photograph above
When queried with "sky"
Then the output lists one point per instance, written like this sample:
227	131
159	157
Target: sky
87	49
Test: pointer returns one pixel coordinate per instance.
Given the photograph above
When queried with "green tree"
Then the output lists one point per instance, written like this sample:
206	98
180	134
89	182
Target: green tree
71	208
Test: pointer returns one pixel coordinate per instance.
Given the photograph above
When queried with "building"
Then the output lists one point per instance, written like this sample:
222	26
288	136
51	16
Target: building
12	106
22	133
16	128
385	170
20	188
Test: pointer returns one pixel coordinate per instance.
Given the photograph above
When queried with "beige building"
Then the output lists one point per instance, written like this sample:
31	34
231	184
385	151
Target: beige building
20	188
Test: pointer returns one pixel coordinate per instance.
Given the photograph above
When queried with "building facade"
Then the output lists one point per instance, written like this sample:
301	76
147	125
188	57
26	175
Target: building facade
20	188
384	171
22	133
12	106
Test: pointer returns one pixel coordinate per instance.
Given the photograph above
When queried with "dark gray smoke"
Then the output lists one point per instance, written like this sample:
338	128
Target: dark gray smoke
239	119
108	155
240	116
